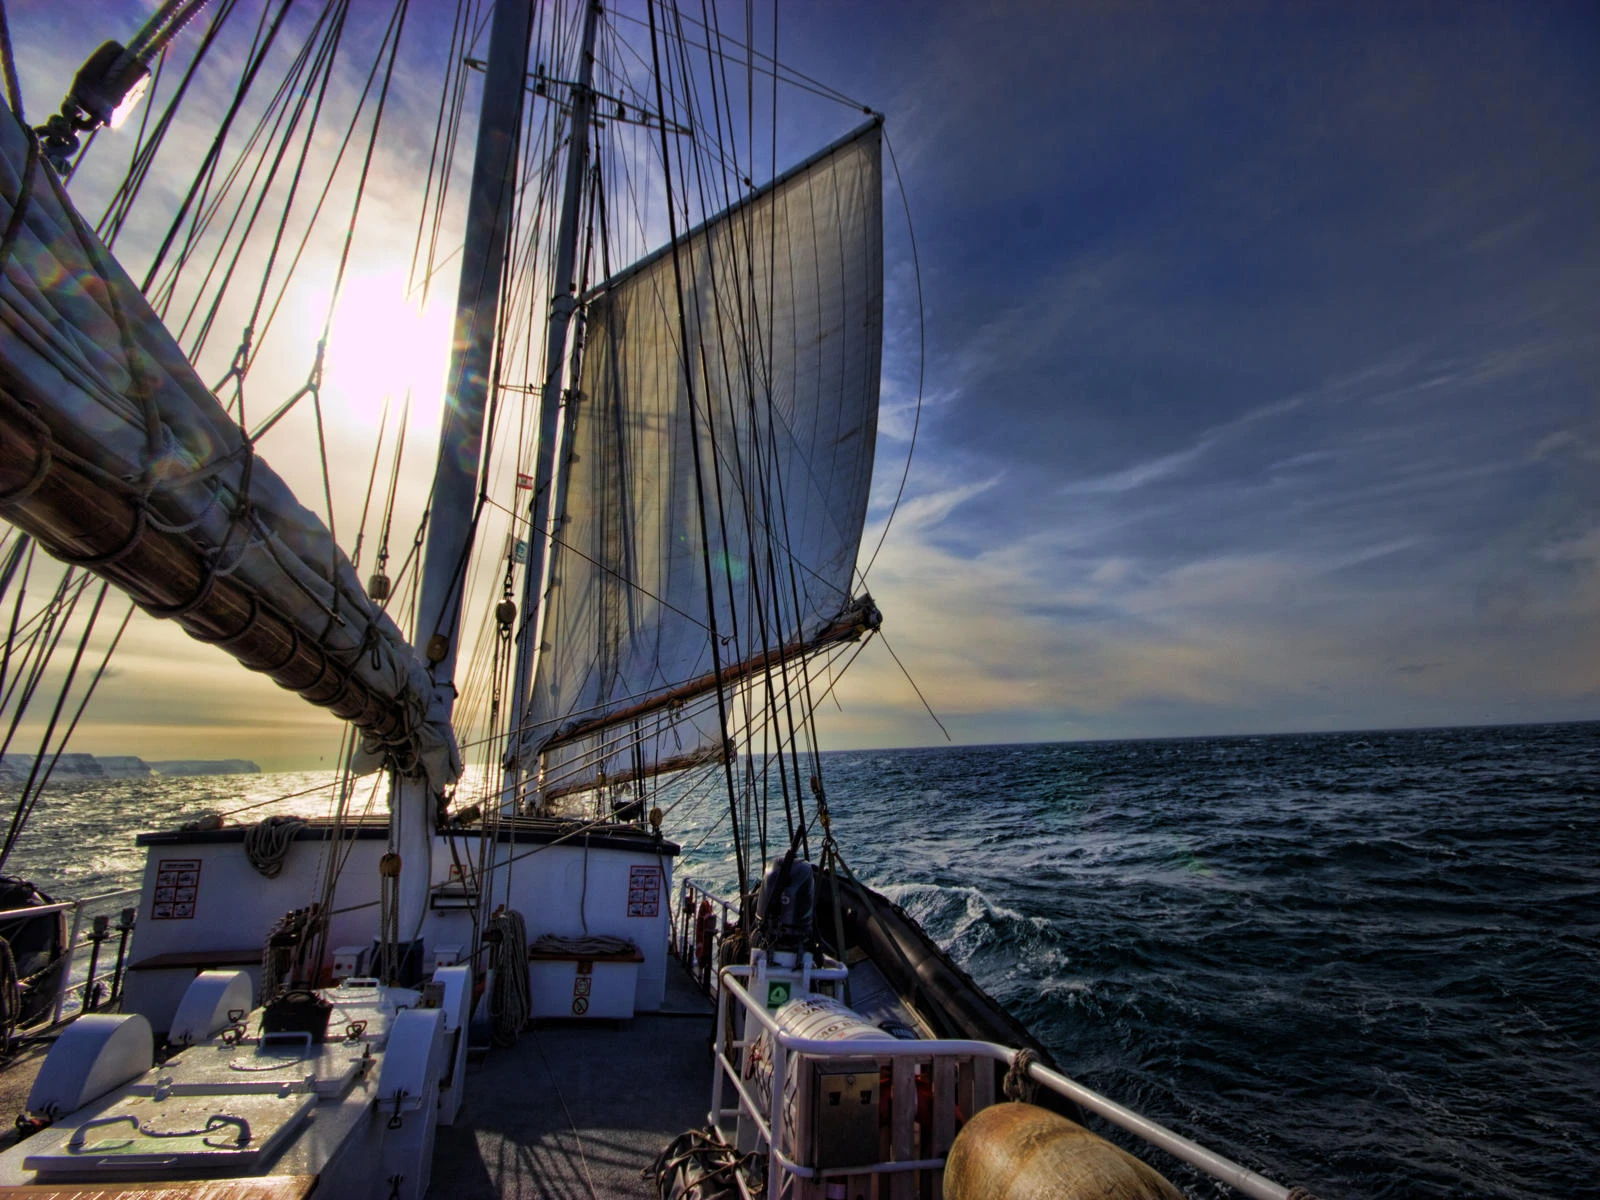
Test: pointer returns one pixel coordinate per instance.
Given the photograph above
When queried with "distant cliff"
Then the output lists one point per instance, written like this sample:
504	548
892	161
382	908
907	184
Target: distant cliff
200	766
15	768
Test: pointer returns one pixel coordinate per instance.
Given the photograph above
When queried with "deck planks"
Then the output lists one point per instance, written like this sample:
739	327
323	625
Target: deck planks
580	1109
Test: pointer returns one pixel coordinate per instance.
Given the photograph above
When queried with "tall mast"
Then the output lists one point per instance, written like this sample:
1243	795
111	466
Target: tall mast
490	205
542	507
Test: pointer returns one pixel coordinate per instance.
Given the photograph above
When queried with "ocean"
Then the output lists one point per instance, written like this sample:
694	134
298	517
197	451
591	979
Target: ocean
1364	963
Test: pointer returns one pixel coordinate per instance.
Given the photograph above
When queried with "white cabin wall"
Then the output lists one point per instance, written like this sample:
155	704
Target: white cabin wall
235	906
548	889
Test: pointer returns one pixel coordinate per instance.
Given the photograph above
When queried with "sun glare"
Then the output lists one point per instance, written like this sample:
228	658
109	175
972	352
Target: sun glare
381	345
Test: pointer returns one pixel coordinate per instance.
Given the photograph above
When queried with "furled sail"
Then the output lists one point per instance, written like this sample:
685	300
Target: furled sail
759	434
116	456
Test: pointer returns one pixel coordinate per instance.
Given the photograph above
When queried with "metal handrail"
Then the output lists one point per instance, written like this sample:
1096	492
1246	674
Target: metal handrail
40	910
1251	1183
64	986
685	941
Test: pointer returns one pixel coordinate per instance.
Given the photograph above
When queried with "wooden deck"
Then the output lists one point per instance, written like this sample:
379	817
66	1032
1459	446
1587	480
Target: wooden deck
580	1109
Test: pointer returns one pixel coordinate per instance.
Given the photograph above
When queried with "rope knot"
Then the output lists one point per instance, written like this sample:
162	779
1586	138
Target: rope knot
1019	1085
314	380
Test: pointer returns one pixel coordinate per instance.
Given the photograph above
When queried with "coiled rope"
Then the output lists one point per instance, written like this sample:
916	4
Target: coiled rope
509	1003
594	945
697	1164
267	842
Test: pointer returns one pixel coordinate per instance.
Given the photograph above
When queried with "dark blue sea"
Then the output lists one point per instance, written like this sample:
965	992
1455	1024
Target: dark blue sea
1365	963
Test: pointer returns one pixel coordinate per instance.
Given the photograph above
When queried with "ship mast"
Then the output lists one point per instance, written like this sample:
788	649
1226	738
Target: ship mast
542	508
455	482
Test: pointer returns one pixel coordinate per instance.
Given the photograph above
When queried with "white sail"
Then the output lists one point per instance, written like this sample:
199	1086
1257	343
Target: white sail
116	453
782	297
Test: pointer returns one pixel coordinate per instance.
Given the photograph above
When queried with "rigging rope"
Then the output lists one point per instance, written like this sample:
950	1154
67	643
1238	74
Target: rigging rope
208	164
922	362
9	64
32	788
694	443
27	802
916	689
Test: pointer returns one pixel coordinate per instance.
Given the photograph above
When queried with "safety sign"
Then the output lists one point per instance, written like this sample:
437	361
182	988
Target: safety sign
177	886
644	891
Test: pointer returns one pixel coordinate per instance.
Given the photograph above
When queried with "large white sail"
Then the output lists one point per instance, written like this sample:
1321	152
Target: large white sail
782	298
117	456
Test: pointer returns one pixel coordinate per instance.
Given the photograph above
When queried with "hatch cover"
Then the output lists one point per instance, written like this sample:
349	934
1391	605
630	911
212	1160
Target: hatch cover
176	1135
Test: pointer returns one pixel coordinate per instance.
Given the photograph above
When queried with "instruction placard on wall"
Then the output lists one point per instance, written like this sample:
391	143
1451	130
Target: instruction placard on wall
177	885
644	891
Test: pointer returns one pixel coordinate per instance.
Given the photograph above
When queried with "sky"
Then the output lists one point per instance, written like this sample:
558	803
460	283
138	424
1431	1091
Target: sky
1262	349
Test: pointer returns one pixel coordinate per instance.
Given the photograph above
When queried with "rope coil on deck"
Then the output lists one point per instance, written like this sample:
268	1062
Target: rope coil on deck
697	1164
267	842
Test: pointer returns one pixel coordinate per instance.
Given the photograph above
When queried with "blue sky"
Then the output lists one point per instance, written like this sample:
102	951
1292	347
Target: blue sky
1263	350
1263	365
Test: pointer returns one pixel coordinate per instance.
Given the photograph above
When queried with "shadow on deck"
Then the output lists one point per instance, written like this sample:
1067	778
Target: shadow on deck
581	1109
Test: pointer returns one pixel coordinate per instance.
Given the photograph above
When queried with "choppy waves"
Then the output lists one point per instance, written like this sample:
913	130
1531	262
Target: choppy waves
1365	963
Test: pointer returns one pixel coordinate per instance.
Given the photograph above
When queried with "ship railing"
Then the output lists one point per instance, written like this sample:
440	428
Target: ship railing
104	947
961	1079
704	919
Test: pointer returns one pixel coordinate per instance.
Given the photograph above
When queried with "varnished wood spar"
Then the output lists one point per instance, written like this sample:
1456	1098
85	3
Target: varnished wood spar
79	518
848	626
663	766
271	1187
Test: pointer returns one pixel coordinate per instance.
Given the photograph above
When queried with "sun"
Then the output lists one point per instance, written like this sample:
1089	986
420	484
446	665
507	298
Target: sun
381	345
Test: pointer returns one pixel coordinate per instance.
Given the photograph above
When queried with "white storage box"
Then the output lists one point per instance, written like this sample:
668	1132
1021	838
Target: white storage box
569	985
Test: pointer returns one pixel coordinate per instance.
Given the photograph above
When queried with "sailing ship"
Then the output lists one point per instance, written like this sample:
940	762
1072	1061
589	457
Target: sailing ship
314	1007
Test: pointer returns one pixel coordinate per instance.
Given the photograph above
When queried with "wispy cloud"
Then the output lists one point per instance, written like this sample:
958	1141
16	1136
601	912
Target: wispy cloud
1260	378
